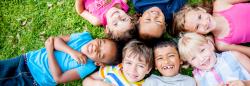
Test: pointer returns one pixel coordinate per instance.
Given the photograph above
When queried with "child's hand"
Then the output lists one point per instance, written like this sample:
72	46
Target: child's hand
49	44
235	83
78	56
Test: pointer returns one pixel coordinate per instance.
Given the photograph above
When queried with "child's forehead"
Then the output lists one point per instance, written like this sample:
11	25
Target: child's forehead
135	57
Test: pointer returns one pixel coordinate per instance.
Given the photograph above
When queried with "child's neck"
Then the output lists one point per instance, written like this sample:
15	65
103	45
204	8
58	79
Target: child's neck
221	29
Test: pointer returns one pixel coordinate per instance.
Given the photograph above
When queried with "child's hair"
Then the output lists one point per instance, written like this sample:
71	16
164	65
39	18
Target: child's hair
189	42
129	34
170	43
139	50
118	54
179	17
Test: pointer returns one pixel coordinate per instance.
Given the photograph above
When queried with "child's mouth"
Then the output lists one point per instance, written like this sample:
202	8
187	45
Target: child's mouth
169	67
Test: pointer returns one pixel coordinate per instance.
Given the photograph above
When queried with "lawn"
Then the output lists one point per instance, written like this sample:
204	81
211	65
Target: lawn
26	24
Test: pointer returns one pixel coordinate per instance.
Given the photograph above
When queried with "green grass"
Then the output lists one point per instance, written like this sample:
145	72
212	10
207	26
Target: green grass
26	24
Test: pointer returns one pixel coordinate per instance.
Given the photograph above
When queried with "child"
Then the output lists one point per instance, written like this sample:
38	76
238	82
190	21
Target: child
167	62
136	63
229	68
156	13
36	67
229	23
109	13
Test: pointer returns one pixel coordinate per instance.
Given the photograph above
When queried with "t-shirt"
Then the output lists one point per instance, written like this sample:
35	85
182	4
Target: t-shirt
37	61
168	7
227	68
114	75
99	8
177	80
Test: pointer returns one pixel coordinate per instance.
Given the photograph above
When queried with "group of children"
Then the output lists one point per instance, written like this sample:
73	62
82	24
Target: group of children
76	56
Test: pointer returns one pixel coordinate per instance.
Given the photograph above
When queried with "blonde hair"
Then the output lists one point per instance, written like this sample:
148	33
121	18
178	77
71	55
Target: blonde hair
189	42
179	19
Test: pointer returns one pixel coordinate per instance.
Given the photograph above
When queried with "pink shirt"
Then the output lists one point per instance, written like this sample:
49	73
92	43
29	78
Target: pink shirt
99	7
238	17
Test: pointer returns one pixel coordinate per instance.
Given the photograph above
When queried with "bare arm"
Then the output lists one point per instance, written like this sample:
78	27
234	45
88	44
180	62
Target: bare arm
79	6
221	46
243	59
94	80
54	68
60	44
220	5
233	1
125	1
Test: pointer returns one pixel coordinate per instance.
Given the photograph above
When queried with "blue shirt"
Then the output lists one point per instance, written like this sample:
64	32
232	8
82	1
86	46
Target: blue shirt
37	61
168	7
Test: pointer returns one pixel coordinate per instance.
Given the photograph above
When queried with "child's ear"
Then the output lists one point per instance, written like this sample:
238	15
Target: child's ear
106	30
211	45
148	70
201	9
99	64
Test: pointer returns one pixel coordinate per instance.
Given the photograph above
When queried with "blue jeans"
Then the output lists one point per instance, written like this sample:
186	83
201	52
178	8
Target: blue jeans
15	72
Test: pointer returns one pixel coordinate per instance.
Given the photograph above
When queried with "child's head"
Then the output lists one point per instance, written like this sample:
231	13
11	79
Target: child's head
137	60
193	19
151	24
119	24
197	50
102	51
167	60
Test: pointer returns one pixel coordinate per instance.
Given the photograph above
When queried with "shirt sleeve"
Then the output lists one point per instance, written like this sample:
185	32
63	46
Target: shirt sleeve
86	69
83	35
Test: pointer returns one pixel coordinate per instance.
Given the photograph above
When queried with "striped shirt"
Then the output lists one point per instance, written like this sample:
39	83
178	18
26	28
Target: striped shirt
114	75
227	68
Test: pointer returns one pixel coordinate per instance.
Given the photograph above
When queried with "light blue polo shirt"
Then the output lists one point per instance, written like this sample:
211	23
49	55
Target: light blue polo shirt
37	61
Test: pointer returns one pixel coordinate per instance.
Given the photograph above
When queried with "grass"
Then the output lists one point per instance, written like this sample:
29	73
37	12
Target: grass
26	24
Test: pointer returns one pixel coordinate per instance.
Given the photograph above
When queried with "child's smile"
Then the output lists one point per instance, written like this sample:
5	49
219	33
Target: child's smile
167	61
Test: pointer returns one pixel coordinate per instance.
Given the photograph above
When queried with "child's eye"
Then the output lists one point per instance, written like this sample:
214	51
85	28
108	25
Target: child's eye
172	55
128	63
141	66
115	24
159	58
199	17
193	58
202	50
148	19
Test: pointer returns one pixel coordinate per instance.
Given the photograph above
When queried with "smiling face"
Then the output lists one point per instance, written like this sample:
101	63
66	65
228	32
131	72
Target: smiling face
152	22
167	61
118	22
203	57
135	68
100	50
199	21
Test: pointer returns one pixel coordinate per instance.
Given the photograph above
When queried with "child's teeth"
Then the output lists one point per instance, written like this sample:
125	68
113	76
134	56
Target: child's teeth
168	67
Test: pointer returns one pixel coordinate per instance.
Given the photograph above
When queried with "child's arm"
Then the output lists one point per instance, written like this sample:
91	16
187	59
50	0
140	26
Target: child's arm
243	59
79	6
233	47
55	70
220	5
94	80
232	1
60	44
125	1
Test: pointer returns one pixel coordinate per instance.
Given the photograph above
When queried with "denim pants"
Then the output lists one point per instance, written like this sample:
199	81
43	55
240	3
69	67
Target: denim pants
15	72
